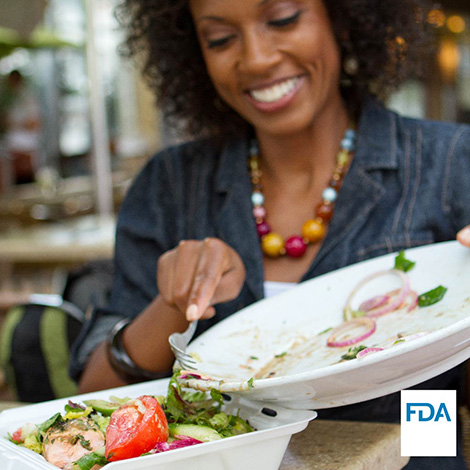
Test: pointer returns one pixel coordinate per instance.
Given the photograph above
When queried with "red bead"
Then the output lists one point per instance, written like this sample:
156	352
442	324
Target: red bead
324	211
295	247
263	229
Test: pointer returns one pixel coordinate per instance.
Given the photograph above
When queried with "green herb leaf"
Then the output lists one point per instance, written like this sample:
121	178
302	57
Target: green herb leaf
88	461
325	331
219	421
281	355
43	427
84	442
254	358
217	396
250	383
349	314
403	264
431	297
352	352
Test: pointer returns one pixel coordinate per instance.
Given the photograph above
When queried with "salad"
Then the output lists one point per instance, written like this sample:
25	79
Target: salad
91	434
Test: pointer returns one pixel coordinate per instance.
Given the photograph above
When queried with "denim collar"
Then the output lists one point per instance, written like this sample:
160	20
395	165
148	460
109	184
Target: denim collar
376	147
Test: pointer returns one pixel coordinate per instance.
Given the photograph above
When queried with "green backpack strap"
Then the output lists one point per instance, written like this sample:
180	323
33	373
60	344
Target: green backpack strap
35	352
12	319
55	347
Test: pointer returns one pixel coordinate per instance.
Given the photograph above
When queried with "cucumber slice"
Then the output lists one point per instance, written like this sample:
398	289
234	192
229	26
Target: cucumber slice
104	407
201	433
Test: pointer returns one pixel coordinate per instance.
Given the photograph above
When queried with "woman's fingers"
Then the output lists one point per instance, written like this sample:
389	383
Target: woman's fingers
175	272
197	274
214	261
463	236
185	265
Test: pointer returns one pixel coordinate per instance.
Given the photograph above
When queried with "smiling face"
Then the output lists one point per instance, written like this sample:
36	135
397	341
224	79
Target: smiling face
275	62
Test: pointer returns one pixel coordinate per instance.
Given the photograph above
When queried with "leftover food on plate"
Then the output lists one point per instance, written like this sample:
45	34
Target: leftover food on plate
385	318
88	435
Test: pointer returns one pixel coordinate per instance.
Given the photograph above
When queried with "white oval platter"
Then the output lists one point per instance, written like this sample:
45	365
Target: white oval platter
279	341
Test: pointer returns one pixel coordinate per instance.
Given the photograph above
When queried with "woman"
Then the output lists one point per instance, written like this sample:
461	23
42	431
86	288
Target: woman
281	84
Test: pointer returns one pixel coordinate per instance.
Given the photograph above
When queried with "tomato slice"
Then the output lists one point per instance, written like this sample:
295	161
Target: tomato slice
17	436
135	428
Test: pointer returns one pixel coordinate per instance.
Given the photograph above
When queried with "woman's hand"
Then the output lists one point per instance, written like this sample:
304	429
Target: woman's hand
463	236
198	274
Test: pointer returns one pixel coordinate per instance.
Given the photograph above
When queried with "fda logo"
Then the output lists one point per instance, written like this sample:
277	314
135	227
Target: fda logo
426	409
428	423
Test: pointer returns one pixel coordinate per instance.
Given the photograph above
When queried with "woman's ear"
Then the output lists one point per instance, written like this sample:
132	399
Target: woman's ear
350	63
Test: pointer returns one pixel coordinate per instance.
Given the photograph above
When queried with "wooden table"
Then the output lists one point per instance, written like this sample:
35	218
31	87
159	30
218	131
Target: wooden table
338	445
345	445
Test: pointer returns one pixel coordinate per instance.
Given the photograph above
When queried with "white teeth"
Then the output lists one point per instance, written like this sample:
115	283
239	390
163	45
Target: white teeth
275	92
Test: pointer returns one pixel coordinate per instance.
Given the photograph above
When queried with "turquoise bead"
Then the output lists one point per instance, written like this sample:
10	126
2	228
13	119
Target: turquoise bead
347	144
257	199
329	194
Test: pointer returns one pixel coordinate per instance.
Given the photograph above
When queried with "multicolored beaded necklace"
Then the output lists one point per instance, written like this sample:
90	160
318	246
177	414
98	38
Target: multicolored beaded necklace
313	230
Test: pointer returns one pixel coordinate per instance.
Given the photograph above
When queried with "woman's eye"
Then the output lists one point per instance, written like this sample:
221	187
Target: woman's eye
220	42
279	23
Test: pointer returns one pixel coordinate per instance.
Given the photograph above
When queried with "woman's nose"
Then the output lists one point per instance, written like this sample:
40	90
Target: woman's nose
258	53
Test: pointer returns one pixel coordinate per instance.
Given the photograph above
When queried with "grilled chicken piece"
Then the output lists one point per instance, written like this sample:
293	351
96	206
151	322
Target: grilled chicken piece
65	443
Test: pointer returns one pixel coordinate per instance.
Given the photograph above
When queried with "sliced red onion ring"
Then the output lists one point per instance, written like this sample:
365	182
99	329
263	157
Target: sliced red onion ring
413	336
187	374
390	304
365	352
181	441
413	300
349	325
374	302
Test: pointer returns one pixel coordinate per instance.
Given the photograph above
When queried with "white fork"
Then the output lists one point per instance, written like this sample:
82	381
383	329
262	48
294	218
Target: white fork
178	343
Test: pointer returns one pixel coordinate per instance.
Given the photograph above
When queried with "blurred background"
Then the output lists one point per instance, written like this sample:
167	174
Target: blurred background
77	123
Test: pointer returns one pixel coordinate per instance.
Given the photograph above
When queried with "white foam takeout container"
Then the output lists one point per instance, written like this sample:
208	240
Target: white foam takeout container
262	449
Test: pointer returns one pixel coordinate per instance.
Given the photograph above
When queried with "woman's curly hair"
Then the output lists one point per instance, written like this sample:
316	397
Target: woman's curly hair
387	37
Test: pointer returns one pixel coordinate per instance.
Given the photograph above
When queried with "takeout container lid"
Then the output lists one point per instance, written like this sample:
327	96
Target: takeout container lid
263	449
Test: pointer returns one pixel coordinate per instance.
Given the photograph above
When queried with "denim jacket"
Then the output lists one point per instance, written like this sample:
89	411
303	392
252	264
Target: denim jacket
408	185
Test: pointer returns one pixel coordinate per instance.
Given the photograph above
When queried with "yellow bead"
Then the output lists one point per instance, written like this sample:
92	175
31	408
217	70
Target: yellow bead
254	164
313	230
343	158
272	245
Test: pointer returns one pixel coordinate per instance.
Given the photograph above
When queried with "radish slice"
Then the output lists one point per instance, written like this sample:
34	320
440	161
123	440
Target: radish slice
368	323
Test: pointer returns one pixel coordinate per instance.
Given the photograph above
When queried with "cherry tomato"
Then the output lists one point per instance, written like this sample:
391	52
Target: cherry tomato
16	436
135	428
